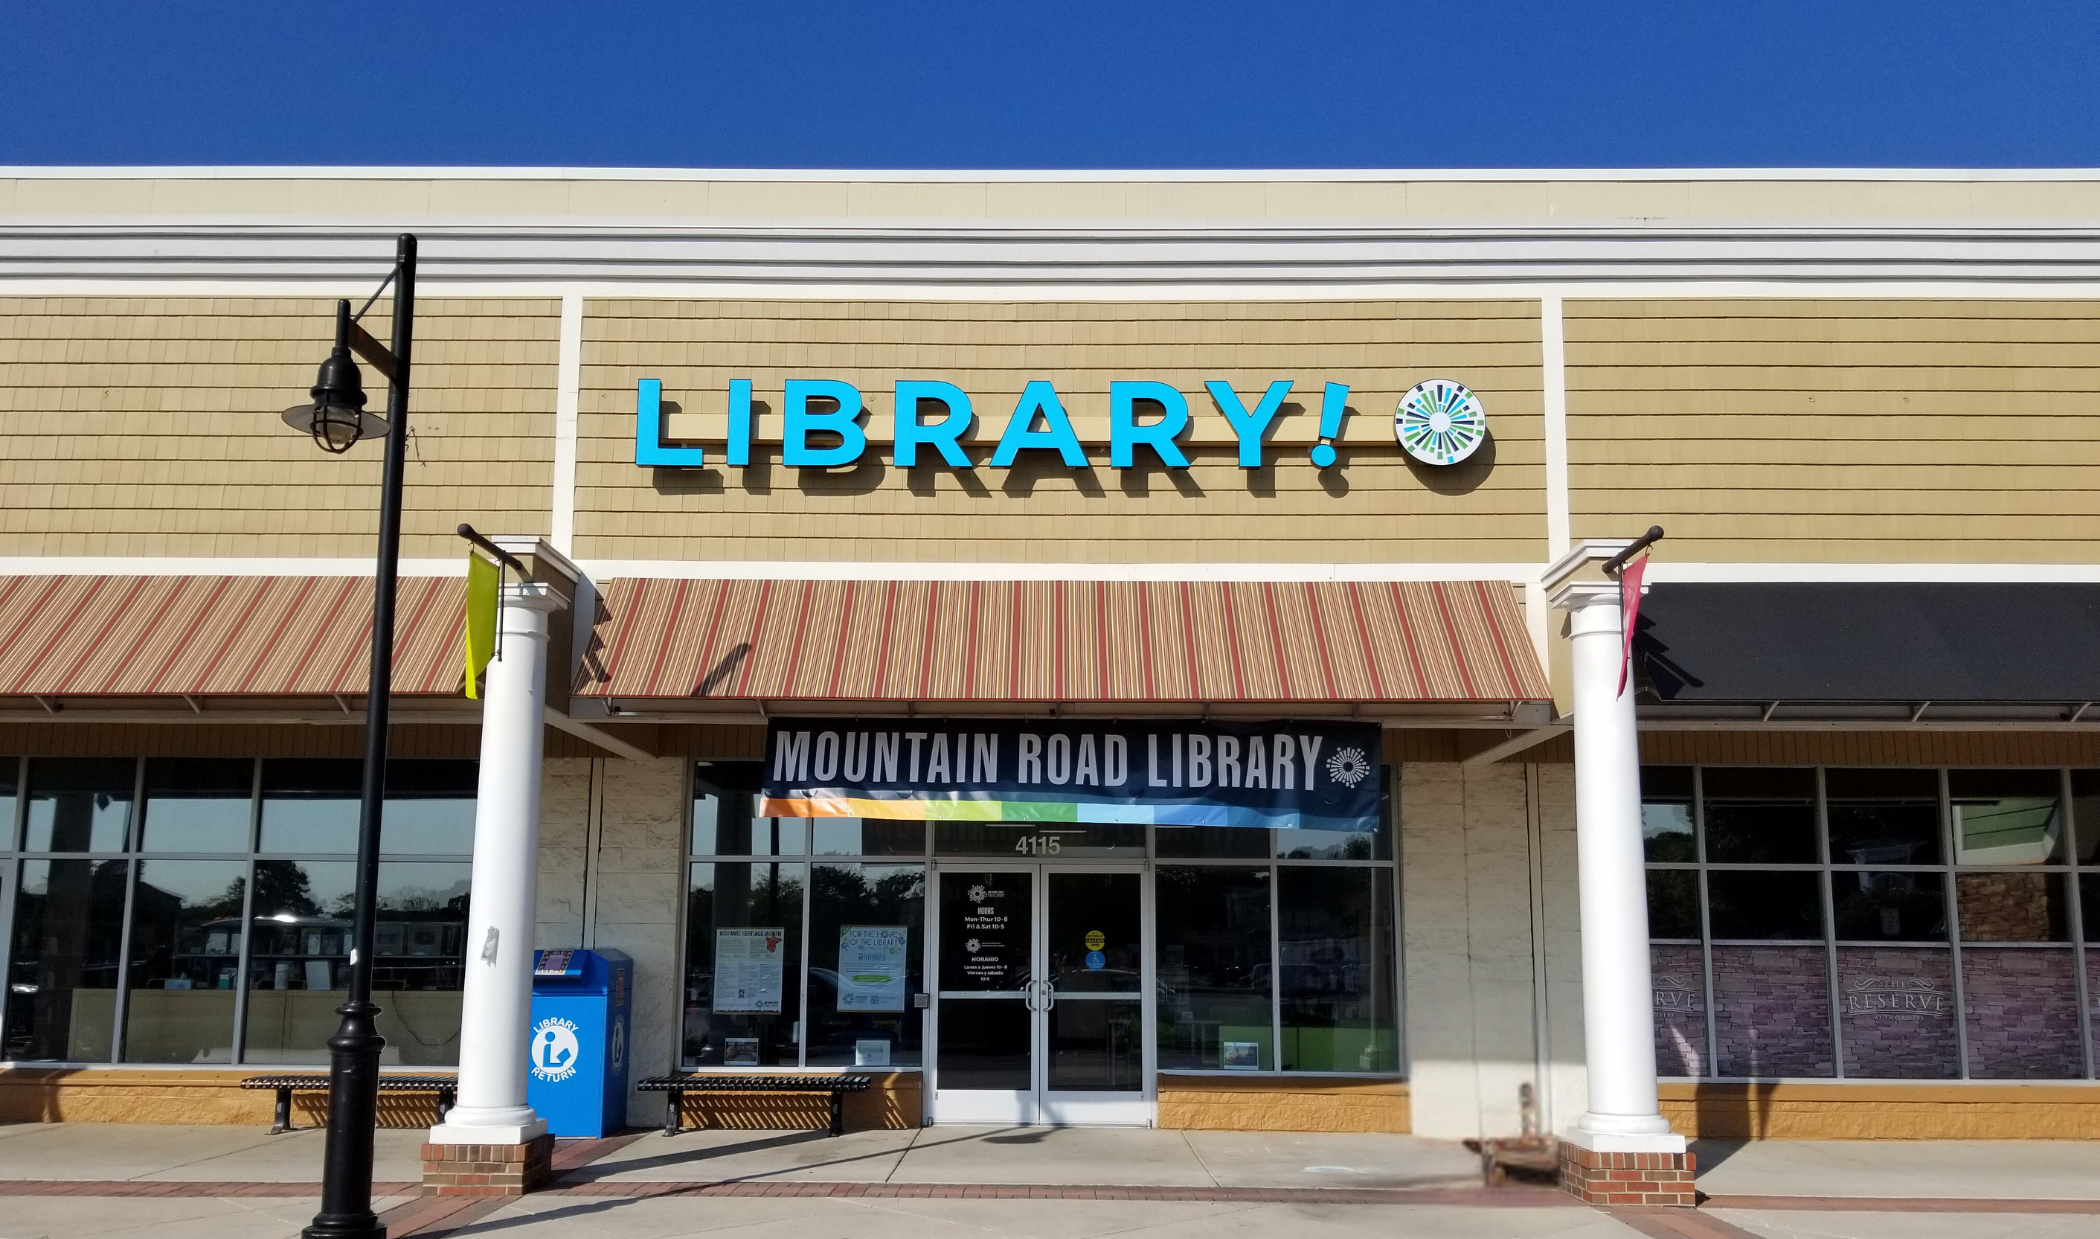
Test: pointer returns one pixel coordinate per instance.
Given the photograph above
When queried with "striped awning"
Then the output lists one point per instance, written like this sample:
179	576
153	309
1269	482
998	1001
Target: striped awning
1063	641
148	636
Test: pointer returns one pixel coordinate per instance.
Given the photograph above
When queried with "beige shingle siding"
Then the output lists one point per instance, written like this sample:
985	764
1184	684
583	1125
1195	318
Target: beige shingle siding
149	426
1842	430
1375	508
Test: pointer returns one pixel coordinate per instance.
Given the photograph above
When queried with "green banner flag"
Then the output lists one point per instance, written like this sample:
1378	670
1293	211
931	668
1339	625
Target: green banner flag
484	582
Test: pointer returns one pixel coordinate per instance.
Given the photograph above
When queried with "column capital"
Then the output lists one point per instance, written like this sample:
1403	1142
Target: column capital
532	596
1578	595
1584	560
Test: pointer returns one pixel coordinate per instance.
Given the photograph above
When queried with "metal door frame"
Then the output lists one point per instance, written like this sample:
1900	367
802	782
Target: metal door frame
1034	1104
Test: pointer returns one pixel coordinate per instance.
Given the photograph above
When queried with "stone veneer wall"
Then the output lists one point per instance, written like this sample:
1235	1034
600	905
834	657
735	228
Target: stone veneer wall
1471	1012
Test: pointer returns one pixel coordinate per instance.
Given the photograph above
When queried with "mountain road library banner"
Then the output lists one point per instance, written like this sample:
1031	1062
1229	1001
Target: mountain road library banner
1286	775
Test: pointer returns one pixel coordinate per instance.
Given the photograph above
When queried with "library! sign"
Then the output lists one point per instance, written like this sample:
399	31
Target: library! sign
1314	775
823	424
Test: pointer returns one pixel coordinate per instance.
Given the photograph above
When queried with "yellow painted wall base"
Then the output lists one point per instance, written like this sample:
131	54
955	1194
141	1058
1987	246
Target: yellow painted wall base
106	1095
75	1095
1883	1111
893	1103
1269	1103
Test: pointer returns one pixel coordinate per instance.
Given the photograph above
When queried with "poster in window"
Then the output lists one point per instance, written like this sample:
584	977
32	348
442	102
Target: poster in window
871	967
747	970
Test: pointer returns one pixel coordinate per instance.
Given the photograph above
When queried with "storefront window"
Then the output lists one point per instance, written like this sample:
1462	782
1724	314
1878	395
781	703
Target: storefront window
1215	968
210	918
185	952
866	937
79	804
1335	942
1275	950
1927	970
62	973
743	964
301	920
1668	830
198	806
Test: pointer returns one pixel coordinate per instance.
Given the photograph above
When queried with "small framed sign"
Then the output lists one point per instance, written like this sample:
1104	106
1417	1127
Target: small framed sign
1240	1055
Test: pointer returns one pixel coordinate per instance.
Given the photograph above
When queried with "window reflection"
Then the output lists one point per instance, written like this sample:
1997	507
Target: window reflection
419	958
1760	817
2006	817
743	989
79	804
197	805
1666	813
1779	904
861	1008
10	772
1908	907
185	953
310	805
1215	969
1335	968
62	975
853	836
1673	903
301	922
429	808
1884	817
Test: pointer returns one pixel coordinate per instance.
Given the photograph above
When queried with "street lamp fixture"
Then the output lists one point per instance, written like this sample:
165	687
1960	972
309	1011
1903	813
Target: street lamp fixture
337	420
336	417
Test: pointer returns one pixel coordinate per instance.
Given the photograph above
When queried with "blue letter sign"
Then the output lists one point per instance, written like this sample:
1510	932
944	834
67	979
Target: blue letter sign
795	451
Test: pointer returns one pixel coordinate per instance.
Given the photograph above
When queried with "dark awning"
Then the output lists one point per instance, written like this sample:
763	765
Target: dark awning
1882	642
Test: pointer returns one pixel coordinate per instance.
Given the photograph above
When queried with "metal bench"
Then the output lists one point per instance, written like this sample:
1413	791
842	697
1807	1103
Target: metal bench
677	1086
315	1082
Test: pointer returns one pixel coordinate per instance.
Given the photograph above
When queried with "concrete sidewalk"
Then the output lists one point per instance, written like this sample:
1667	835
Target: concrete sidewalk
1902	1169
1035	1183
1097	1157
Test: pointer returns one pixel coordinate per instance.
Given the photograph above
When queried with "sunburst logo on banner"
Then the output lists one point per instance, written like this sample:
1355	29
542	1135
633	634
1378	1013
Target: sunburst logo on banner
1440	422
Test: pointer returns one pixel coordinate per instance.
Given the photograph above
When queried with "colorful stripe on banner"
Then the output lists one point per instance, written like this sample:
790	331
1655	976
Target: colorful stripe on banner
1077	812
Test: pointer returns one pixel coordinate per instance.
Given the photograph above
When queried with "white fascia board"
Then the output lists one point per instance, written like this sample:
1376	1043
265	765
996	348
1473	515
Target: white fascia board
1008	176
799	570
1659	570
551	289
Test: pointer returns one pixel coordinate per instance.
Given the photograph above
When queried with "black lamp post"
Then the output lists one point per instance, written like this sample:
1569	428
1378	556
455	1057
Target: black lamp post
337	419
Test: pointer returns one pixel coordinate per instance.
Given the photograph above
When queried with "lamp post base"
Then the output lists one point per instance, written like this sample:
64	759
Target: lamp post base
353	1113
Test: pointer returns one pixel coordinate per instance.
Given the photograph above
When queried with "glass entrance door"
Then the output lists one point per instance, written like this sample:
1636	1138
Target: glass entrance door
1043	996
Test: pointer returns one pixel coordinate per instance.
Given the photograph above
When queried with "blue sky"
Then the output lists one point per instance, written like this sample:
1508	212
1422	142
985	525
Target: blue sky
1121	84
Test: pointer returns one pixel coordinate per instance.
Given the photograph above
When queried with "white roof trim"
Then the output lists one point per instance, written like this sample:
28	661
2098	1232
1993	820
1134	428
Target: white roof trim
965	176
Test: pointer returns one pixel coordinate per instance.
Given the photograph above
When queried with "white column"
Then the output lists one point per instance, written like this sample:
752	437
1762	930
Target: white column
497	1005
1618	999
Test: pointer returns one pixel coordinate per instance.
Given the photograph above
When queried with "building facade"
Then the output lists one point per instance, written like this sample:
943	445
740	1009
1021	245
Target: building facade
1083	647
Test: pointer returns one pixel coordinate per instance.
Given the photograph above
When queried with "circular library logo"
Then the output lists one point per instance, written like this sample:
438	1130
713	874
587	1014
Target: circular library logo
555	1049
1440	422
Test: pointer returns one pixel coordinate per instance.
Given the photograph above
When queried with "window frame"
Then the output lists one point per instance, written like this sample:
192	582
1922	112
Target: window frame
1947	871
1389	800
13	854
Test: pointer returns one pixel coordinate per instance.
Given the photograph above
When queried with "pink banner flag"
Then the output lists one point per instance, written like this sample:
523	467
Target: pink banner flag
1629	610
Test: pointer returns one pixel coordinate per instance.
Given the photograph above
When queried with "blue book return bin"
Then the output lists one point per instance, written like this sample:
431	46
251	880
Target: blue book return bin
578	1050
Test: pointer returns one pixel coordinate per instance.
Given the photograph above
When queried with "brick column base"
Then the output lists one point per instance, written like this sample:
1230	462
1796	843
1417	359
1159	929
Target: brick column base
487	1169
1627	1178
